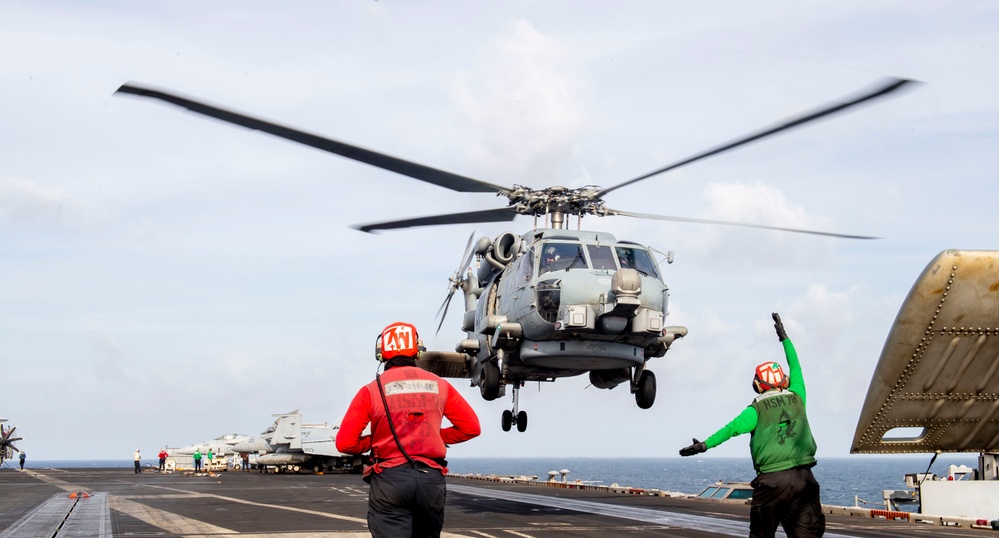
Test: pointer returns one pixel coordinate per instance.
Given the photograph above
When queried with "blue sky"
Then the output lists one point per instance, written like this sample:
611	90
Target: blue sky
166	278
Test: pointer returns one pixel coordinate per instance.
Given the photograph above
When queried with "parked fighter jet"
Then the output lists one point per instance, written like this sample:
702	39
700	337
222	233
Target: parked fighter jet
221	445
289	445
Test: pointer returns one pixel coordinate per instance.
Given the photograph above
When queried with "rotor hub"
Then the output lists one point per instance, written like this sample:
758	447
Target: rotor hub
540	202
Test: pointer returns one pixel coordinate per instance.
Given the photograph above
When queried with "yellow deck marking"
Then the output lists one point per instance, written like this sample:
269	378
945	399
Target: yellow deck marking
275	506
61	484
168	521
192	528
301	511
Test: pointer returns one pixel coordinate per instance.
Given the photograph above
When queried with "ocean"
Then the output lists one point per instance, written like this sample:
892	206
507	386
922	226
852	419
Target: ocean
841	478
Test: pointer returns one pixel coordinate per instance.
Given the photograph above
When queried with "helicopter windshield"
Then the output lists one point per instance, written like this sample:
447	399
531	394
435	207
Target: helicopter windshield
561	256
638	259
601	257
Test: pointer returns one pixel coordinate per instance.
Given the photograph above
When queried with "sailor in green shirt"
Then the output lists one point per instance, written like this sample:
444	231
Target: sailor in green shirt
785	492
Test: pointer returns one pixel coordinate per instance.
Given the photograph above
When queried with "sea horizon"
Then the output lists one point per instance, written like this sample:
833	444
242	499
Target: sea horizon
845	480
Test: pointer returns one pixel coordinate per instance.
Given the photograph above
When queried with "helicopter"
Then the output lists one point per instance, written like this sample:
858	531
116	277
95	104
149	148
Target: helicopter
7	440
552	302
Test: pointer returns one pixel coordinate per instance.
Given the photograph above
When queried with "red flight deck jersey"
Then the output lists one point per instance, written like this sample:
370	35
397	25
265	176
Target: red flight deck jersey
419	401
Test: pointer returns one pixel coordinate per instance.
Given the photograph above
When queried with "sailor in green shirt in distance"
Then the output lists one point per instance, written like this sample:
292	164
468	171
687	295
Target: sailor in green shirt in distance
785	492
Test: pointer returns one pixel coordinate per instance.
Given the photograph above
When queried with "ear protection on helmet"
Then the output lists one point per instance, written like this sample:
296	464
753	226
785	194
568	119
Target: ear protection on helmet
398	340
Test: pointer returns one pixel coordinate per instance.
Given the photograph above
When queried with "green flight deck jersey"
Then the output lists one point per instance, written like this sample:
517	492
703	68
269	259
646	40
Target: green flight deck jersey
780	435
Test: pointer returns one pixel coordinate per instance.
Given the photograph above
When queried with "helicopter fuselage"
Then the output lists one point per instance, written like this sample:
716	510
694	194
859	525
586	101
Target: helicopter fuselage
559	303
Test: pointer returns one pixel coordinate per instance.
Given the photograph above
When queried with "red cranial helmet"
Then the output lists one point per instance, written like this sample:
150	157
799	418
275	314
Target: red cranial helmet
769	375
398	340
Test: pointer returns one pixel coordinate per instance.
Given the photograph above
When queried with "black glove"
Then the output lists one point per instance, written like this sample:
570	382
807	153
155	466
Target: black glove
695	448
779	327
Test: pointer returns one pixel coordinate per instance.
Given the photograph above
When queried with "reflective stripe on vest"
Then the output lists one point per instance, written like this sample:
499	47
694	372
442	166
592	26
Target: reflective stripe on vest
417	404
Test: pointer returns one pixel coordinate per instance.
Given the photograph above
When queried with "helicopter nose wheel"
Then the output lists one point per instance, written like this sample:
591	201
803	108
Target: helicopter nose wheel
512	417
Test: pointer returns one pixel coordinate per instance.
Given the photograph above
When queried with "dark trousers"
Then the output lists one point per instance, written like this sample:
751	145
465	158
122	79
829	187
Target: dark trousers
787	498
197	465
162	464
405	501
137	468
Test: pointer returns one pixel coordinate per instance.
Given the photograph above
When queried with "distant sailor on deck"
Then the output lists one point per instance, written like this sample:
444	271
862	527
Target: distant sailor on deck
405	407
163	456
785	492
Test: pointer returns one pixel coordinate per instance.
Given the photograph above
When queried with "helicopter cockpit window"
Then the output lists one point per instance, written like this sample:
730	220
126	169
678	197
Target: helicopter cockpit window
526	268
561	256
601	257
638	259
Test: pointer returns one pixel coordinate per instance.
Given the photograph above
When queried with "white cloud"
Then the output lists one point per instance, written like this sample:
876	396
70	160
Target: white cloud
25	202
231	280
110	360
522	105
744	249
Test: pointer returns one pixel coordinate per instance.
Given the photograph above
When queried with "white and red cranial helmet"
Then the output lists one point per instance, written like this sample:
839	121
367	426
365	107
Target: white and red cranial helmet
397	340
769	375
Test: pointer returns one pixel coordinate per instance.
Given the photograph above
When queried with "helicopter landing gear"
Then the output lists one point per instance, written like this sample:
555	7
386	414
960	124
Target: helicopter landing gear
645	395
489	385
511	417
509	420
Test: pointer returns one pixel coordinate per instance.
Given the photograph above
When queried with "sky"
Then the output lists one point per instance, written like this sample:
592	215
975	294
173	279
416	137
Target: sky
166	278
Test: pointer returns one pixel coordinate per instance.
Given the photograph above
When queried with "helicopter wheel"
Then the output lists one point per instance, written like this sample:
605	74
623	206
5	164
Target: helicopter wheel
507	420
646	395
490	384
522	421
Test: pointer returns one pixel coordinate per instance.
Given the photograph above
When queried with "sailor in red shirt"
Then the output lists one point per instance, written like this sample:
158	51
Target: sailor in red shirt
406	496
163	455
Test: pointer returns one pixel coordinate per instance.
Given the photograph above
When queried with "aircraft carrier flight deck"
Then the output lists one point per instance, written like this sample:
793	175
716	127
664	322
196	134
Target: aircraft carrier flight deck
119	503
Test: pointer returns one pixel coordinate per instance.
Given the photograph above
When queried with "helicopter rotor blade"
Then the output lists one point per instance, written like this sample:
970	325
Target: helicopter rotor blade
466	258
729	223
444	307
884	88
487	215
414	170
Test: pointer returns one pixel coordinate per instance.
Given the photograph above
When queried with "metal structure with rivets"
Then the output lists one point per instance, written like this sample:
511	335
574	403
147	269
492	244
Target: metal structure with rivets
938	375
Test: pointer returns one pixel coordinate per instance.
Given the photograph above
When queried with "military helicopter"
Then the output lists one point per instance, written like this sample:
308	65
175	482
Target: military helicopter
552	302
7	439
